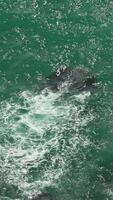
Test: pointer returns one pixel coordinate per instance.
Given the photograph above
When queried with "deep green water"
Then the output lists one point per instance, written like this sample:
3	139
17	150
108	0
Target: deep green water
47	144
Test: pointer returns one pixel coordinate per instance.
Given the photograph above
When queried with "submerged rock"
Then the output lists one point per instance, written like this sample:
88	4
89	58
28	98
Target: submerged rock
72	78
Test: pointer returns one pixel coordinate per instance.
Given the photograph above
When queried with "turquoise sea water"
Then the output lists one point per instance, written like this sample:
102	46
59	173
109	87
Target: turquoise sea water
62	146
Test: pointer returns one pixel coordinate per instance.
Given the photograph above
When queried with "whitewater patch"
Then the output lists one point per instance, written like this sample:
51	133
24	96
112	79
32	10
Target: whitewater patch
39	134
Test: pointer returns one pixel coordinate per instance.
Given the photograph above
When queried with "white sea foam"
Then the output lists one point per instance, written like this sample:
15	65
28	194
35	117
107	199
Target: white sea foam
39	142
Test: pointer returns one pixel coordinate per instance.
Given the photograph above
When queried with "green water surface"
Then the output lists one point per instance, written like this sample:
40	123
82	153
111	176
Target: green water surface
60	147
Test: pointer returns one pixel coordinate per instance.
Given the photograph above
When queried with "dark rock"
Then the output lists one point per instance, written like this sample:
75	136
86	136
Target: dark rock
73	78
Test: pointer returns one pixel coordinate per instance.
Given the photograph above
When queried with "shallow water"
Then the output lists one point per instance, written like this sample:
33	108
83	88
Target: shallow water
62	145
